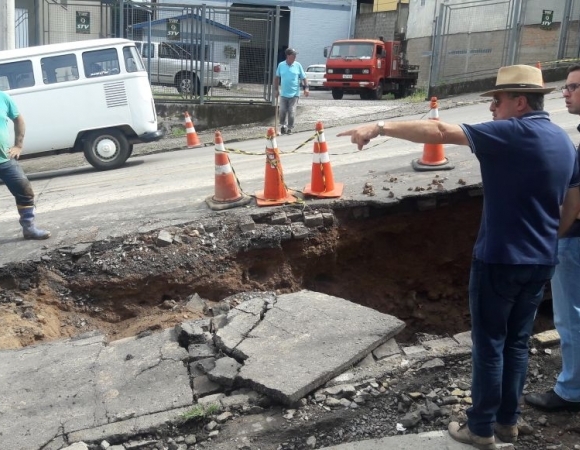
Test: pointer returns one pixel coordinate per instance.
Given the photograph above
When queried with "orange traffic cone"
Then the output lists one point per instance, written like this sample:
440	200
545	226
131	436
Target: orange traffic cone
227	193
539	66
192	139
322	180
275	192
433	154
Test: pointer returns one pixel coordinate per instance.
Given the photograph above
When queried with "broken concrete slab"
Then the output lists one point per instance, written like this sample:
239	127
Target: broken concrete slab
306	339
240	321
125	429
76	384
44	388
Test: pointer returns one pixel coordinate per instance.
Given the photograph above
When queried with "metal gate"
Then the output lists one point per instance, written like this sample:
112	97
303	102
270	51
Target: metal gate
205	52
194	53
472	39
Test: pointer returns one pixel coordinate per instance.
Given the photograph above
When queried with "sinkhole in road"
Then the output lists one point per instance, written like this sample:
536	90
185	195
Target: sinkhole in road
406	261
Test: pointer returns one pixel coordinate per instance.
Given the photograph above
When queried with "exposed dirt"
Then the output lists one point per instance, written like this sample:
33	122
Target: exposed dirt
412	265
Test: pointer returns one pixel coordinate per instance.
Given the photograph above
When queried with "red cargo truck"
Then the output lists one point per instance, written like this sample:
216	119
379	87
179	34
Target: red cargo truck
370	68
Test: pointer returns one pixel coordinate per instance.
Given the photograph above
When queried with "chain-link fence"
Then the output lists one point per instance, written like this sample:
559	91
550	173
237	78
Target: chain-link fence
217	53
472	39
192	52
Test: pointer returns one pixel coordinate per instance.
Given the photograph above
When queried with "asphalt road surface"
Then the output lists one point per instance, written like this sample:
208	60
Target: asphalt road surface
79	204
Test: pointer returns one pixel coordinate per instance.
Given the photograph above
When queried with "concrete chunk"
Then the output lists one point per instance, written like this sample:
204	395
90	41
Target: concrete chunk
200	351
547	338
225	371
441	346
190	333
240	321
464	338
164	238
203	386
308	338
389	348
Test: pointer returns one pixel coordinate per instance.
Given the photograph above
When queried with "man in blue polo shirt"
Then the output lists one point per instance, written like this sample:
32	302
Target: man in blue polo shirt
289	76
529	169
10	171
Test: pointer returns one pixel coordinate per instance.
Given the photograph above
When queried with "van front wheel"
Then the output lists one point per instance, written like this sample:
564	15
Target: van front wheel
106	149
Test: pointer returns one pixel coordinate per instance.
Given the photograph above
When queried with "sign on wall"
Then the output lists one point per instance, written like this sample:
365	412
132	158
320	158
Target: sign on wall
547	18
83	22
173	29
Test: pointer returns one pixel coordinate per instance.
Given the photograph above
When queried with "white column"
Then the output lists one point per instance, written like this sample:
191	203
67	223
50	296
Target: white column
7	39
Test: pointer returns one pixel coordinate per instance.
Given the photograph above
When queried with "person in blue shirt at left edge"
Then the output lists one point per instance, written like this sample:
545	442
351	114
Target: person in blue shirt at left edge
289	76
10	171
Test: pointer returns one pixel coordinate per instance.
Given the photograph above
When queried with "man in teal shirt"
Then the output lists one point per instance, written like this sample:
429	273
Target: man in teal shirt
10	171
289	75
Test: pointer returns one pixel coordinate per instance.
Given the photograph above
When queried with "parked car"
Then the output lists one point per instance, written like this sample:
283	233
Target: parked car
177	64
316	76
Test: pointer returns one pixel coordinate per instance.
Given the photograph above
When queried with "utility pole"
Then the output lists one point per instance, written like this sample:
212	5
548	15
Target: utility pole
7	38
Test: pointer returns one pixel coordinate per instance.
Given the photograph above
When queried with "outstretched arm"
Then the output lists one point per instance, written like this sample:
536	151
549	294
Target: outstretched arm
421	131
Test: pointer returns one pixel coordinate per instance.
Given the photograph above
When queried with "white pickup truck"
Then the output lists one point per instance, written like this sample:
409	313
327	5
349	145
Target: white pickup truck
177	64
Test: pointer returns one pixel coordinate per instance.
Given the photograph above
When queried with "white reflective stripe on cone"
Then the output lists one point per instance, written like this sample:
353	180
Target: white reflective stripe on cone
190	130
220	147
222	170
434	114
320	158
271	144
321	137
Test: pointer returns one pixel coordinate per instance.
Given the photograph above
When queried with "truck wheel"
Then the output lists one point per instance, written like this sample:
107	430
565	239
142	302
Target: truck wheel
403	91
187	83
378	92
106	149
337	94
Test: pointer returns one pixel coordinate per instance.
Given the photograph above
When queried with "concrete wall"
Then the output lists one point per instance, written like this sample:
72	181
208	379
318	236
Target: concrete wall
213	116
476	44
371	26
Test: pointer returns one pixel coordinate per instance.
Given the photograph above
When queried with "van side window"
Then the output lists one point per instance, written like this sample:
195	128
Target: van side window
133	62
56	69
101	63
16	75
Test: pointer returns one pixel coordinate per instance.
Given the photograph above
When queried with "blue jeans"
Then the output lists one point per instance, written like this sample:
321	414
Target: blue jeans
503	301
288	108
17	183
566	305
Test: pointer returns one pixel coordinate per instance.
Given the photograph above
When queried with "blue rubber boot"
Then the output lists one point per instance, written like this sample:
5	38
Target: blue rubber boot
29	230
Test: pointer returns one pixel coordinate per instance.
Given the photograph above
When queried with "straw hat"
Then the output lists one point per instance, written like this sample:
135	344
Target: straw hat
519	78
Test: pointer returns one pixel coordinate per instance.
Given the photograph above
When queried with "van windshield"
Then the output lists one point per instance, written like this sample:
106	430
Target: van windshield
352	50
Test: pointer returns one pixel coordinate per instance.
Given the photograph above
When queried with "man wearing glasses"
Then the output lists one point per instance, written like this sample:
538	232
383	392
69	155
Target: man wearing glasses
529	169
565	396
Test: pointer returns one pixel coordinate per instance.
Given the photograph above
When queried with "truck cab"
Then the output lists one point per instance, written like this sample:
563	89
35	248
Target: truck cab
370	68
